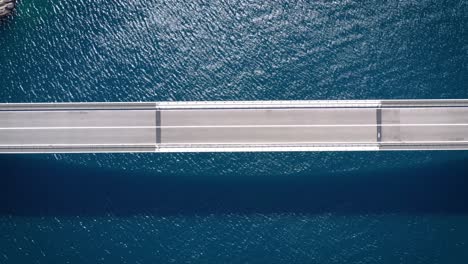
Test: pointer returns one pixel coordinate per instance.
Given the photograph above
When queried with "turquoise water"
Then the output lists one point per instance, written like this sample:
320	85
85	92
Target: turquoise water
392	207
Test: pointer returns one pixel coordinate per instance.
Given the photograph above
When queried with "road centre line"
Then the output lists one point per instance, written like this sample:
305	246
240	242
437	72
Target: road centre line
224	126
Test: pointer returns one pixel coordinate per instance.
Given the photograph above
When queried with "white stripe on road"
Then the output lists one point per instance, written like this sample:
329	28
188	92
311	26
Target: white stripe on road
266	145
223	126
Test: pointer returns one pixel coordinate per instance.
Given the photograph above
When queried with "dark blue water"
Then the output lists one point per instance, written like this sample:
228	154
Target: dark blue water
330	207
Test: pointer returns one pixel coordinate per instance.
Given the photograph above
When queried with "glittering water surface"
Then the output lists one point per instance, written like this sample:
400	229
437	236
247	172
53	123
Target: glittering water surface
393	207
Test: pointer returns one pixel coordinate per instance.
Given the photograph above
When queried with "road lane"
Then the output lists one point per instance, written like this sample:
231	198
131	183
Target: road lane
79	136
77	118
427	115
302	116
429	133
268	135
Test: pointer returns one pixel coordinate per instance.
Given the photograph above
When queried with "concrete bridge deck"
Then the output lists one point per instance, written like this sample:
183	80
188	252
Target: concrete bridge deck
234	126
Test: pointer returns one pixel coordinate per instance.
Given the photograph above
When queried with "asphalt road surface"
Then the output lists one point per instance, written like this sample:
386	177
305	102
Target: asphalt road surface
134	127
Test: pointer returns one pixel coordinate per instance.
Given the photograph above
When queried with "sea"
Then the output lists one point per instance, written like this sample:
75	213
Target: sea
284	207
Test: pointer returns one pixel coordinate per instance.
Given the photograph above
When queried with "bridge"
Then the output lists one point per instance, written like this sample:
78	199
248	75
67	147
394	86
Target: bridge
225	126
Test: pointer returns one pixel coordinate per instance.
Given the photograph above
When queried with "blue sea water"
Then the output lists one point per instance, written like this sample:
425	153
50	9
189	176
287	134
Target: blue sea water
330	207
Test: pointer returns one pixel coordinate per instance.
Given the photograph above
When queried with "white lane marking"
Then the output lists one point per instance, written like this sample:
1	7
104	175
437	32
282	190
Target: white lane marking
241	144
246	108
322	125
317	143
268	149
77	145
223	126
65	128
306	108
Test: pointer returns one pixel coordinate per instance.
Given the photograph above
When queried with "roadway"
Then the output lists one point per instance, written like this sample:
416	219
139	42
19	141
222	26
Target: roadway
234	126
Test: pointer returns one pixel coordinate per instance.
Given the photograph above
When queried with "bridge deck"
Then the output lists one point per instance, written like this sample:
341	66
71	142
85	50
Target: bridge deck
234	126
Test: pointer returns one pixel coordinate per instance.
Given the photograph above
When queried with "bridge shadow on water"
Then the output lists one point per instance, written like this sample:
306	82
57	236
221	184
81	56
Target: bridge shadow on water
31	187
